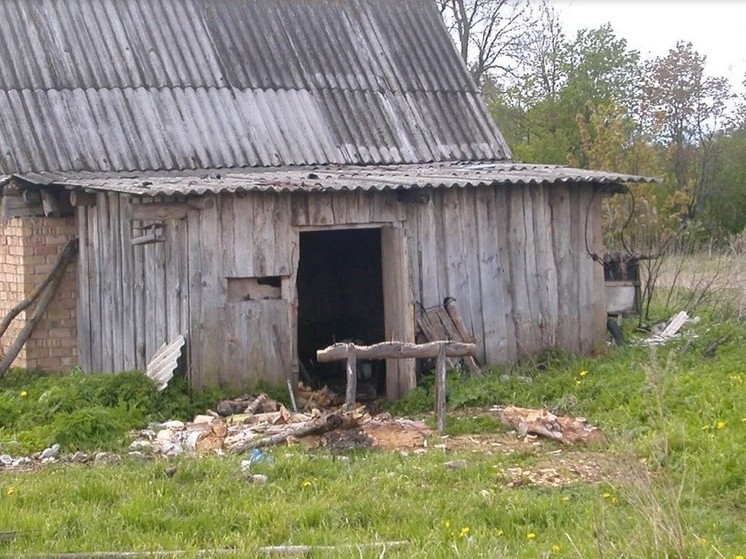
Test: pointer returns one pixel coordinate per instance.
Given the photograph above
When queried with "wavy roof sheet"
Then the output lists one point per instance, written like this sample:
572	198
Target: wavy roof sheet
137	85
329	178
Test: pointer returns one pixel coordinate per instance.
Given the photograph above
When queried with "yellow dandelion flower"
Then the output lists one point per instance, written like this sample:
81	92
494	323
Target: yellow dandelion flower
721	424
578	382
447	523
24	393
565	498
464	532
583	373
606	495
743	420
10	491
531	536
499	532
702	541
614	501
555	549
307	483
738	557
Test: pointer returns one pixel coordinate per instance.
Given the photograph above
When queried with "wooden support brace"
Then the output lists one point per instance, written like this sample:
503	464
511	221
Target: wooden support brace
440	388
351	392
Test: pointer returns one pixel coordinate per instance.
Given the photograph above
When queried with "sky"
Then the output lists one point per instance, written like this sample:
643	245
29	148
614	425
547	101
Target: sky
716	28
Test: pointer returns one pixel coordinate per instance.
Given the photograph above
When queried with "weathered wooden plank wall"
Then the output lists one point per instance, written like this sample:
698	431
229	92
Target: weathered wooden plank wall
515	259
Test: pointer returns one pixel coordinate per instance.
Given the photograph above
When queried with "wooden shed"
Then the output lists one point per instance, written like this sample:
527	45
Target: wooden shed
266	177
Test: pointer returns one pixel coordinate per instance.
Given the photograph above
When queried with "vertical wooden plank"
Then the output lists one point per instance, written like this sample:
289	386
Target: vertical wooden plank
229	254
397	309
263	235
545	270
599	287
284	247
519	255
84	281
116	318
456	268
440	247
211	319
473	306
194	270
532	278
502	231
429	259
490	277
172	268
589	298
299	209
243	236
319	209
107	279
566	215
140	303
126	253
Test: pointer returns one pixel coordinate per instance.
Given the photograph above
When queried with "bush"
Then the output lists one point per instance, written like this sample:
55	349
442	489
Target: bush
88	412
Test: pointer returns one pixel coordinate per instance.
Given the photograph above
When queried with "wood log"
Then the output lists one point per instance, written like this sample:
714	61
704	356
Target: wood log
66	256
322	424
566	430
395	350
254	406
55	278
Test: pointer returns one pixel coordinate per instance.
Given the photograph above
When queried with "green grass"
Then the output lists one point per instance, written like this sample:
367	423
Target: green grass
675	485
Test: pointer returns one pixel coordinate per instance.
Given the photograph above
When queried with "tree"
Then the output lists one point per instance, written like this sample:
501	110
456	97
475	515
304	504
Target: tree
685	111
487	32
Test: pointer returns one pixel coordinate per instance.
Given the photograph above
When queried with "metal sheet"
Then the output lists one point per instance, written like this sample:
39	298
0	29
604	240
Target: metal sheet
187	84
329	178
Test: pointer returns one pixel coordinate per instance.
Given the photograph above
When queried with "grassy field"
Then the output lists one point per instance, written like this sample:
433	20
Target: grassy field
671	483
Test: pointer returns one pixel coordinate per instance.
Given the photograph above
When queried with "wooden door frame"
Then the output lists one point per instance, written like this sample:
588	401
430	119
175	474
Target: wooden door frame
398	308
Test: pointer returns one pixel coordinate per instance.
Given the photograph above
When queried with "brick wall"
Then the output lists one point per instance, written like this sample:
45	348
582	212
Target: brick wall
28	251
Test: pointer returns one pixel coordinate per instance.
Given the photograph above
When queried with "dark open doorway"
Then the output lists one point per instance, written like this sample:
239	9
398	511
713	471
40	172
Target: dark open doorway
340	298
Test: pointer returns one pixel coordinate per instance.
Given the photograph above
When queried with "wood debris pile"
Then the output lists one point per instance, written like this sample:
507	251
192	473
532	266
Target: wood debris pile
260	422
567	430
560	474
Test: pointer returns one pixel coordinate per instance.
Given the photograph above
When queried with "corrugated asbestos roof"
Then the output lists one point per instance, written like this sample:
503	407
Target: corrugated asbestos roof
123	85
329	178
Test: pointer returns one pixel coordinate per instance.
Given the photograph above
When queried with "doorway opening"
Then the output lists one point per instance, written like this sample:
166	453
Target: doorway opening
340	299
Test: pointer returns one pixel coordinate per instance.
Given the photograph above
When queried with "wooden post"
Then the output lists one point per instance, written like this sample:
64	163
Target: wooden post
440	388
351	393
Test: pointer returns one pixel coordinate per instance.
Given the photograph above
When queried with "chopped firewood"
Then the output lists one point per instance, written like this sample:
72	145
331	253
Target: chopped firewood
318	425
543	423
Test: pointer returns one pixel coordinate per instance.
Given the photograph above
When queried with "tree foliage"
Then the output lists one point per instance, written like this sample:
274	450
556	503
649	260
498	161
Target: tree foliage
592	102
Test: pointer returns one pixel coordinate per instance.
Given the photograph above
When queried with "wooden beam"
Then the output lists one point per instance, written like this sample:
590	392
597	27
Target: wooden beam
16	206
440	388
31	197
158	211
351	392
395	350
79	198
